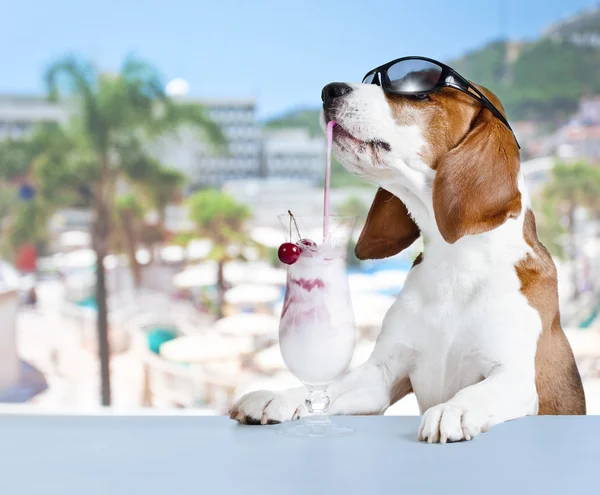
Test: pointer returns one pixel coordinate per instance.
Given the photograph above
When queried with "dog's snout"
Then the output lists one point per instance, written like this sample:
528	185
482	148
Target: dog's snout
333	91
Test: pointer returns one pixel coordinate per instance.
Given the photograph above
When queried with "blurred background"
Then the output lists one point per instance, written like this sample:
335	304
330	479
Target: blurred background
146	149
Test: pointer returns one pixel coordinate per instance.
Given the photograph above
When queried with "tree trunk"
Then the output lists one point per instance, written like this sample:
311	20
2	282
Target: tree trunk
100	243
220	288
129	231
162	218
160	225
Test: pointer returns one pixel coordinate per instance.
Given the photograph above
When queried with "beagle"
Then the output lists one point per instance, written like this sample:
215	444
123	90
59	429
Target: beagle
475	333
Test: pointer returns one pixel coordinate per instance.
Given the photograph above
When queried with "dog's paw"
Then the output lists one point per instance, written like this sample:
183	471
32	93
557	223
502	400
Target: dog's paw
268	408
449	423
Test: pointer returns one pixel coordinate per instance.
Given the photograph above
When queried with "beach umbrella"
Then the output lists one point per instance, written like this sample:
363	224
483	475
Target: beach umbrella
75	238
267	236
81	258
111	262
198	248
172	254
239	272
252	294
248	324
204	348
143	256
201	275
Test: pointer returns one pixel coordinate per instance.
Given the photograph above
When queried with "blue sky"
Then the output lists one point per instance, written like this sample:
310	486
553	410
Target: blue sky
282	53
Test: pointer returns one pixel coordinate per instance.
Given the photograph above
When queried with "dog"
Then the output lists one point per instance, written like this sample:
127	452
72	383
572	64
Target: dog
475	332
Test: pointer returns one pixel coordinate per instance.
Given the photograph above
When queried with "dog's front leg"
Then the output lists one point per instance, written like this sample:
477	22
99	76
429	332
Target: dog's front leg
508	392
368	389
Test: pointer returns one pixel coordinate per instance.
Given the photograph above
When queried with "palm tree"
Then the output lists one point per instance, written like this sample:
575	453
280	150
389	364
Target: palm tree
105	144
163	187
130	213
159	187
221	219
572	185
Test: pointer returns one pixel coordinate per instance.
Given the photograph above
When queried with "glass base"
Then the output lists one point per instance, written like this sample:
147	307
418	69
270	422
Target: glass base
312	426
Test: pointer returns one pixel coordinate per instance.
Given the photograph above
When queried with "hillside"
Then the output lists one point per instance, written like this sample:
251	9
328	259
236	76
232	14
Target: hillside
539	80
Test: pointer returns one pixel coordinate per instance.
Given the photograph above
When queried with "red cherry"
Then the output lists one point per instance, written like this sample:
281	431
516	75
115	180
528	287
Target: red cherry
288	253
307	244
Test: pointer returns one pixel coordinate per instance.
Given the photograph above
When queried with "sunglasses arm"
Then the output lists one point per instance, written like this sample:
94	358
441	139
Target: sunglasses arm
469	89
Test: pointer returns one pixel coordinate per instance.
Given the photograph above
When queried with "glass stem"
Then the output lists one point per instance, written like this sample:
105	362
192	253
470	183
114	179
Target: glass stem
317	402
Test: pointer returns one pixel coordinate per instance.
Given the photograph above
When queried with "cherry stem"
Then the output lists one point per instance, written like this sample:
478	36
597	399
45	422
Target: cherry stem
297	229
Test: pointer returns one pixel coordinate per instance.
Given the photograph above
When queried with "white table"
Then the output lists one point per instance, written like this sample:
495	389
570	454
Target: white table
180	455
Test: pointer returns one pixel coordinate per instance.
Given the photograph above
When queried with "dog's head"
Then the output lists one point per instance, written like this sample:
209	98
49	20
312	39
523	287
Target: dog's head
445	165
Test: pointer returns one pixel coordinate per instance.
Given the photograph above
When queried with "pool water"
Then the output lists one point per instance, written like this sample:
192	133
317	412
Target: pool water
591	318
156	337
88	302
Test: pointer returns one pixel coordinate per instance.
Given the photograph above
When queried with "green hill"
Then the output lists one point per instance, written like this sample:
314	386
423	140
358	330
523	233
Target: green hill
544	81
539	80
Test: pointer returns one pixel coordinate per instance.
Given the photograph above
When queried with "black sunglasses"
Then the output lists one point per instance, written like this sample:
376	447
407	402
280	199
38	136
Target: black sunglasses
419	76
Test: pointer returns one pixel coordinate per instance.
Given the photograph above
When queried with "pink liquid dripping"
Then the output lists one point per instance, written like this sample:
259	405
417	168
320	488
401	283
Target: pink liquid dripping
330	125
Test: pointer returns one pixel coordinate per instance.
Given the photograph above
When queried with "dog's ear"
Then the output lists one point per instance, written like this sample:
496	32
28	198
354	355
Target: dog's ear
388	229
476	184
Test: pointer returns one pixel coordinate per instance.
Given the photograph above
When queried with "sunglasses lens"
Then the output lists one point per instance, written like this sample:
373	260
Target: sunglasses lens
414	76
369	78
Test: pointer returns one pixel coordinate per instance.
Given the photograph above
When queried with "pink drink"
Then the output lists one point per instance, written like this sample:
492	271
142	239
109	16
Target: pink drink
317	330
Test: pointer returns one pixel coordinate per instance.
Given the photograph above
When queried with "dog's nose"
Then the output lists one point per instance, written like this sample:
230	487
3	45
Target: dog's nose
333	91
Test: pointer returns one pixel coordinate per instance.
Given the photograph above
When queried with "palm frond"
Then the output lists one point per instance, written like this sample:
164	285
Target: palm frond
78	80
173	116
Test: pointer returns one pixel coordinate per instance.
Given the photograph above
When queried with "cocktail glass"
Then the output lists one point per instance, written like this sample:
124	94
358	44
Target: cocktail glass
317	332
